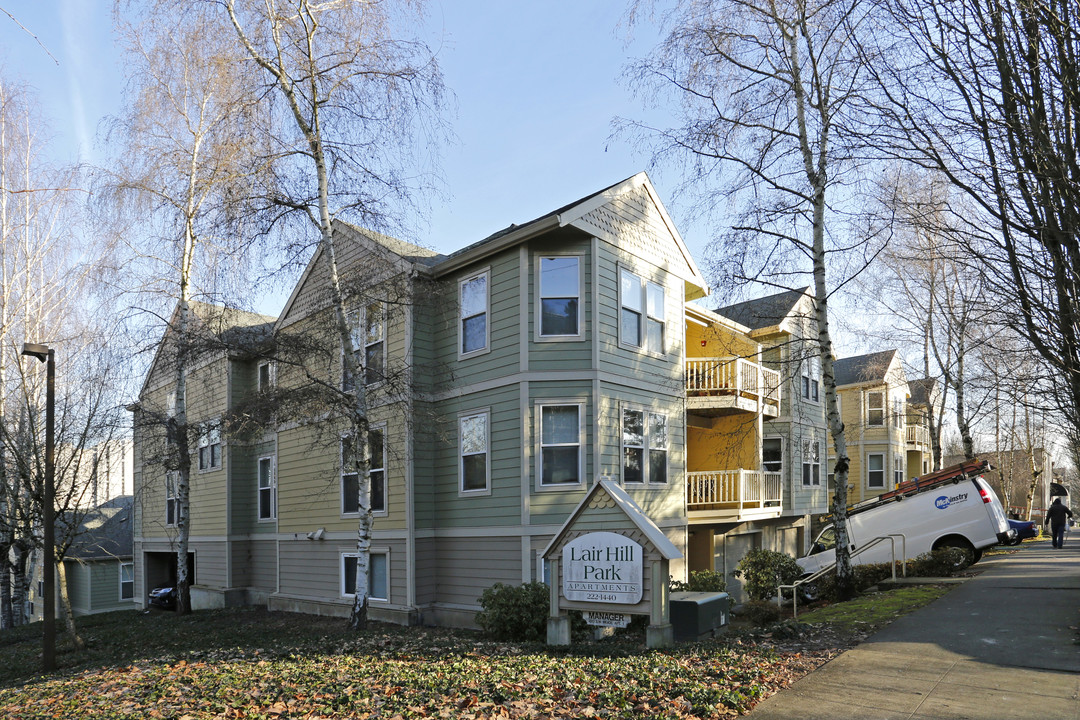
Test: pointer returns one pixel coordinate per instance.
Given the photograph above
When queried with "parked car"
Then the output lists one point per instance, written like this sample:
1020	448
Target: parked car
1024	529
163	596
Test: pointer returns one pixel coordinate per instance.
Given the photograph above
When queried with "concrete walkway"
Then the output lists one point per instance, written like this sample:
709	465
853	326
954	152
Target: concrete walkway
1004	645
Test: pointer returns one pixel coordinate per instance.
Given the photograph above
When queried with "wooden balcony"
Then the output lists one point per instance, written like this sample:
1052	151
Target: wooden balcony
918	436
733	495
726	385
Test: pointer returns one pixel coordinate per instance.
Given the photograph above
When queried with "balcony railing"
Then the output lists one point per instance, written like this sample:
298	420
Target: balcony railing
732	376
738	490
918	435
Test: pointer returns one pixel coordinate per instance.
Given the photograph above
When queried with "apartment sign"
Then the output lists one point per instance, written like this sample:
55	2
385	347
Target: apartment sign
602	567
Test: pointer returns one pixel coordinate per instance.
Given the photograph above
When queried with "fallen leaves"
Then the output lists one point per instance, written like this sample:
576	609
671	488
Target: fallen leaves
402	674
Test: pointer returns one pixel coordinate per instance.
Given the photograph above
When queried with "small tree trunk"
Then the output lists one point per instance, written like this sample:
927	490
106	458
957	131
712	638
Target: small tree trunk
65	599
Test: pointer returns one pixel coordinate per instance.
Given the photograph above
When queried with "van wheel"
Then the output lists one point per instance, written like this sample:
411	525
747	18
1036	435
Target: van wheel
809	592
968	557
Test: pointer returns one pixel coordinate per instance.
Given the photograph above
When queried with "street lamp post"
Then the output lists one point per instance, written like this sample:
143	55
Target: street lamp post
48	655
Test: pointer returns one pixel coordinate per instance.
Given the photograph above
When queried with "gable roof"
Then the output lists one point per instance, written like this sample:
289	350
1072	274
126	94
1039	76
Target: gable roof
598	214
633	512
861	369
104	532
348	237
765	312
920	391
234	327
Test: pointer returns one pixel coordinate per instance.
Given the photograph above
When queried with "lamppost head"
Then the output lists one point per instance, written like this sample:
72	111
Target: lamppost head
41	352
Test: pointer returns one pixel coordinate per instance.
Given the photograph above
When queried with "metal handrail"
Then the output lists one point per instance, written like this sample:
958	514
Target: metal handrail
891	537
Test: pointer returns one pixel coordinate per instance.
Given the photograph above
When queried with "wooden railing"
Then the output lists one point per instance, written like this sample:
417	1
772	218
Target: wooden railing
918	435
743	489
708	376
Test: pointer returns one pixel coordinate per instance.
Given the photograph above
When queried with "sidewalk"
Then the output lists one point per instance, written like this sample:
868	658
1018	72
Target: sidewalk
1003	645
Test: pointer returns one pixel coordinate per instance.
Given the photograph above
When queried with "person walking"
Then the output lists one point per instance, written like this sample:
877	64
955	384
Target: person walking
1055	518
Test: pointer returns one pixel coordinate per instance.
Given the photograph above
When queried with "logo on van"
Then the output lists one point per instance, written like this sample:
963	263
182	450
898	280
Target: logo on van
945	501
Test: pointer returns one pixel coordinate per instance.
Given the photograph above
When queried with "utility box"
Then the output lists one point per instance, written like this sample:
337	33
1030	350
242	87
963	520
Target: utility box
697	615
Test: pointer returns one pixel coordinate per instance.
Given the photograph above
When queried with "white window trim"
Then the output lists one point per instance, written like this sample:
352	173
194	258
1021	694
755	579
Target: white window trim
643	284
341	477
884	408
538	310
486	272
806	452
898	471
538	411
811	380
382	339
486	490
171	480
271	372
349	592
646	469
259	489
884	471
120	577
381	427
204	441
783	448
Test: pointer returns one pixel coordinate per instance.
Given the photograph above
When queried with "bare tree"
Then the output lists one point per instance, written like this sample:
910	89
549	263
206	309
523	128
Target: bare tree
356	95
986	93
184	163
766	92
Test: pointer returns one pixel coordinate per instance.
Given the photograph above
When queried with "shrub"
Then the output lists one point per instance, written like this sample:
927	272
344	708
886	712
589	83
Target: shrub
700	581
760	612
763	570
515	613
942	562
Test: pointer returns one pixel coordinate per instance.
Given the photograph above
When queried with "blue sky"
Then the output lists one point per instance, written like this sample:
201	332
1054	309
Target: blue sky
537	85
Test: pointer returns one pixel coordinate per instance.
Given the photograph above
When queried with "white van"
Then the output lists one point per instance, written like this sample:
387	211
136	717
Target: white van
954	507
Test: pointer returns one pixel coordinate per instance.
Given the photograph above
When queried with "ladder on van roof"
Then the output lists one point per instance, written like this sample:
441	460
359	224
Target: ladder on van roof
954	473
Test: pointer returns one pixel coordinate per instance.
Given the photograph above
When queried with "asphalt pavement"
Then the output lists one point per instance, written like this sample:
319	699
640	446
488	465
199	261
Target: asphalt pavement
1004	645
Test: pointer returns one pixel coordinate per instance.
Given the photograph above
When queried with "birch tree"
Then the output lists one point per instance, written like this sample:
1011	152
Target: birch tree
184	162
765	92
357	98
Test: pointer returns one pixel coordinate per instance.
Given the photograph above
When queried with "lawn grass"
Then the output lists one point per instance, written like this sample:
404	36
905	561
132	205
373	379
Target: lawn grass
250	663
872	610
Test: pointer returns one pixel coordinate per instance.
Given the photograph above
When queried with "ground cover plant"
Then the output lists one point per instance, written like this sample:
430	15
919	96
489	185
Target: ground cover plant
249	663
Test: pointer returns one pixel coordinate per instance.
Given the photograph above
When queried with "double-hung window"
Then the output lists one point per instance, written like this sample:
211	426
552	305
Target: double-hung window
473	328
350	478
267	488
560	296
210	449
772	455
875	408
127	581
811	468
898	471
875	470
378	575
377	469
642	316
367	331
810	379
898	412
473	449
266	375
172	507
560	445
645	447
374	343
